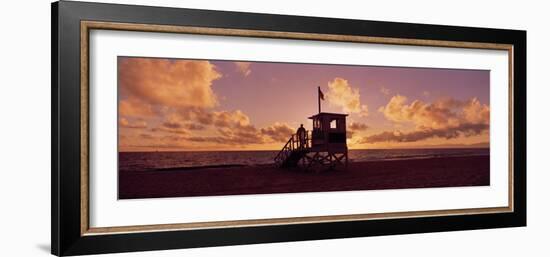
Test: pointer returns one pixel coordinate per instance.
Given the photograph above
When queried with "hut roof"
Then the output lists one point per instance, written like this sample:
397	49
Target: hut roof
328	114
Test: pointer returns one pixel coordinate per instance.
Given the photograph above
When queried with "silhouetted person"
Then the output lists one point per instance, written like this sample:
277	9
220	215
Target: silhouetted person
301	133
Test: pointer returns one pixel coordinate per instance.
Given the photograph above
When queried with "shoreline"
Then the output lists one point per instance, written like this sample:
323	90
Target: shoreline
260	165
268	179
276	150
215	166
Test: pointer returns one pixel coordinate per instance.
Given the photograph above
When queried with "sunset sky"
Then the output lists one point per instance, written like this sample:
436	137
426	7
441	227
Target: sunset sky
190	105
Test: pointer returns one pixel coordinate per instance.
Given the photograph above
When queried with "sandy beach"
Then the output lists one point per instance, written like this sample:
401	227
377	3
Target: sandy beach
374	175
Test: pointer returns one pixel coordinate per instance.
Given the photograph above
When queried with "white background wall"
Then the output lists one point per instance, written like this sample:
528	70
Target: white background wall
25	127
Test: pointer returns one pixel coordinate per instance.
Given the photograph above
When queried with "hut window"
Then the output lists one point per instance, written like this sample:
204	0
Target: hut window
333	124
316	124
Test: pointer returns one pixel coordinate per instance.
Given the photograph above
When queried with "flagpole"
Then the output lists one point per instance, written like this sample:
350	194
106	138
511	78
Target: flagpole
319	98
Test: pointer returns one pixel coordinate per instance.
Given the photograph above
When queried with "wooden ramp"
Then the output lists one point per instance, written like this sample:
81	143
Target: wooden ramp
293	152
294	158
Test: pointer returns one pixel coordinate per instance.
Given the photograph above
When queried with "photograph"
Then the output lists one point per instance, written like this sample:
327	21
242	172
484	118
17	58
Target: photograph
200	127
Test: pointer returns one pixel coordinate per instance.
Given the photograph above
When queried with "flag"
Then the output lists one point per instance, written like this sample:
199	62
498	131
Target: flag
321	95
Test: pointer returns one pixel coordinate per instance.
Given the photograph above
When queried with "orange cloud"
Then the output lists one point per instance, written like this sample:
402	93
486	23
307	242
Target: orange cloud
176	124
174	121
357	126
232	127
191	126
445	118
236	136
385	91
146	136
466	130
279	132
149	82
475	112
217	118
242	135
135	108
243	68
123	122
441	114
230	118
341	94
170	130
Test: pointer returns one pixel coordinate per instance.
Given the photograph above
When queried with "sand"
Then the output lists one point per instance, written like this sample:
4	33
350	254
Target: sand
395	174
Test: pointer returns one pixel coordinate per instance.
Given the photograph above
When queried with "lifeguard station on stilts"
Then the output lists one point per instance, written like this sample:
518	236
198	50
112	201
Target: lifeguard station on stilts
324	146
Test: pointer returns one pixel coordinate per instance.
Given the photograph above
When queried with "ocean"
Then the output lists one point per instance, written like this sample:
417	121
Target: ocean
141	161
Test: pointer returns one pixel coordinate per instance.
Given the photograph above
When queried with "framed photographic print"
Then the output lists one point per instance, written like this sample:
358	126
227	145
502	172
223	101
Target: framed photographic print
178	128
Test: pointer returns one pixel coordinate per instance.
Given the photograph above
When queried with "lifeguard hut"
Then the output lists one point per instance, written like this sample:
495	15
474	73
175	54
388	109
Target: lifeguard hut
325	145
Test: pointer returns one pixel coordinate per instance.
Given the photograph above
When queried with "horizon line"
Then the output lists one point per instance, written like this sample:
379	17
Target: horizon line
272	150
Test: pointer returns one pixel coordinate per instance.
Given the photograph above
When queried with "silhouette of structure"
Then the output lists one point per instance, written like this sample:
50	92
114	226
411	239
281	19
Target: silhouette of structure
324	146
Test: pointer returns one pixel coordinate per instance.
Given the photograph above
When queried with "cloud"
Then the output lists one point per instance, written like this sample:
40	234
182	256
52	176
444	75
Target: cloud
174	121
445	118
385	91
224	127
279	132
243	68
139	124
209	139
242	135
230	118
443	113
239	136
185	120
178	131
357	126
173	125
176	124
191	126
146	83
341	94
467	129
146	136
135	108
215	118
476	112
230	127
246	134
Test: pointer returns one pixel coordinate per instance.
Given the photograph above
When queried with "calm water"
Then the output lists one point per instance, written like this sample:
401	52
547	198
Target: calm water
160	160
